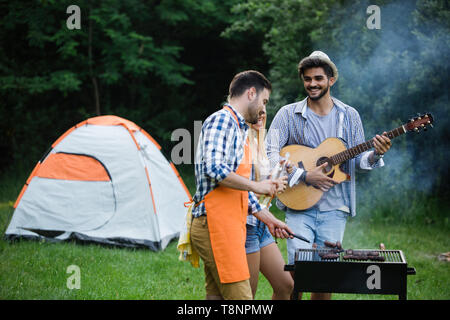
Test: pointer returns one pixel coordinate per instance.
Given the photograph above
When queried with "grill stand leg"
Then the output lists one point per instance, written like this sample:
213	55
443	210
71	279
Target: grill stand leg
403	289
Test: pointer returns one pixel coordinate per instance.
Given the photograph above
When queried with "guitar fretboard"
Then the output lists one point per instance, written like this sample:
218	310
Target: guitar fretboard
360	148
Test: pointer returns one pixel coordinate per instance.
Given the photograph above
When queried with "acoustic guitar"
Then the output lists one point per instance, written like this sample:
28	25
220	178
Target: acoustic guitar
333	151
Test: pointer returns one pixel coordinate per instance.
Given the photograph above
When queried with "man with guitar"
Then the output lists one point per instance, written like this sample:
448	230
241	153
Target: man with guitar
328	194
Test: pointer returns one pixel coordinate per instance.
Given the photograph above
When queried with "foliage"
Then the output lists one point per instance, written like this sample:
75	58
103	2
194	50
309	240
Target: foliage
164	64
388	75
140	60
289	27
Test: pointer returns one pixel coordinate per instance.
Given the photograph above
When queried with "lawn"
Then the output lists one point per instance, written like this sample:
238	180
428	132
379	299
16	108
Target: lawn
38	269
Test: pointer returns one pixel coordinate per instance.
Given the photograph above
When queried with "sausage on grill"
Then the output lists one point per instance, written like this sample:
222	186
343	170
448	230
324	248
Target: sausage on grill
329	256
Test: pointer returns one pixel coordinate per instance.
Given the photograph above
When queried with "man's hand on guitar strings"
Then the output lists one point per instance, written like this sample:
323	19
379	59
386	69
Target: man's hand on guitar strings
381	143
318	179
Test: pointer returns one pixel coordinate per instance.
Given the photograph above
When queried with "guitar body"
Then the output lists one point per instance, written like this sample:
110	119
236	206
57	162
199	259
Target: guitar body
301	196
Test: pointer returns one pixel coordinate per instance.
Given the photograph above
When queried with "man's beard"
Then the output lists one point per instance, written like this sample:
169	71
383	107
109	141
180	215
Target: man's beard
322	93
253	112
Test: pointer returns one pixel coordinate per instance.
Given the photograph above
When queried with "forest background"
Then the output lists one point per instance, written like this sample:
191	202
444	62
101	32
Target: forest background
165	64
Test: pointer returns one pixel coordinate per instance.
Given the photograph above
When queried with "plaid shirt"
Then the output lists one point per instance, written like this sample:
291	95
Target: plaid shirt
219	152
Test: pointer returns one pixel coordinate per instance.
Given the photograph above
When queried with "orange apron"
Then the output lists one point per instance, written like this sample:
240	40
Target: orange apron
227	211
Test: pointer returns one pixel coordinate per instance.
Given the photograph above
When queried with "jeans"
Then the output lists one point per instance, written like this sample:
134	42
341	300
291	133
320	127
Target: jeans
316	226
257	237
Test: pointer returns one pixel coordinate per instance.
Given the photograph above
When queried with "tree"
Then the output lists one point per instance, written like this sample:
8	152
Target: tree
135	59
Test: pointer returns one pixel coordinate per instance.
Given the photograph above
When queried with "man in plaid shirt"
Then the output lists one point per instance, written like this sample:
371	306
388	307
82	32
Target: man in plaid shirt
219	156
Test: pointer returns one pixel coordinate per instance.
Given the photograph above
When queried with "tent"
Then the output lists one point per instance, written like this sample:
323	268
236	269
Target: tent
103	181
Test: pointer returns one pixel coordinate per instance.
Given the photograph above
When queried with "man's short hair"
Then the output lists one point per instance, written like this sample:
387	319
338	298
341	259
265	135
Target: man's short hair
245	80
314	63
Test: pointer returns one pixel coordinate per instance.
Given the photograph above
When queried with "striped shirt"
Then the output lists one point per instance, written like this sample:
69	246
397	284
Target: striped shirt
220	152
290	126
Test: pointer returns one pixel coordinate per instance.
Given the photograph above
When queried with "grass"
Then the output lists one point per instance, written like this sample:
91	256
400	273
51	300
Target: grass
38	269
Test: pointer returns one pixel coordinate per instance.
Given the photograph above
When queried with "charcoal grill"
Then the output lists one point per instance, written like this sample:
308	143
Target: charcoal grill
339	275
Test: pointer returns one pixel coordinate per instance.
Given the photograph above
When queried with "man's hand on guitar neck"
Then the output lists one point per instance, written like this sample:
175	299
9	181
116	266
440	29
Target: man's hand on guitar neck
320	180
381	144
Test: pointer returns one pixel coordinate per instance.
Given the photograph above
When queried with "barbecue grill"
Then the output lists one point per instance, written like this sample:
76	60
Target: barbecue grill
350	274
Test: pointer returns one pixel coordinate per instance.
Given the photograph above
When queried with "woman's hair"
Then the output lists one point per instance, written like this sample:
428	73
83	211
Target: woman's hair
259	153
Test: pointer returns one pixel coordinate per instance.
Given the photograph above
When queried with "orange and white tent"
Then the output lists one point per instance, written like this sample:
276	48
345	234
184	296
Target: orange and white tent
104	181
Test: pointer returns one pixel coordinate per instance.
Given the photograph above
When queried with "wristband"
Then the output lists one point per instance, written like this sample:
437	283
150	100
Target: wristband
303	176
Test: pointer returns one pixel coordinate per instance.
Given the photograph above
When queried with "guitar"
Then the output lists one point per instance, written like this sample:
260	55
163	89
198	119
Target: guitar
333	151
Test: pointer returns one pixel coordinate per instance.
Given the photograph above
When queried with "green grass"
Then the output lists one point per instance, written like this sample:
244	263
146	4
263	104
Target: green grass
37	270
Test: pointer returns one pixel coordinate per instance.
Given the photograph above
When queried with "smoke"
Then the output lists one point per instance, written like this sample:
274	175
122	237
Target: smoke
389	75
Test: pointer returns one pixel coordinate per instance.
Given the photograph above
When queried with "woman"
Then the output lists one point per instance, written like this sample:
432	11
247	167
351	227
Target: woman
262	252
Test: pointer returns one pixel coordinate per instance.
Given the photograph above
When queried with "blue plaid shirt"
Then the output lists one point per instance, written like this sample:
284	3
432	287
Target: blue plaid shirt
220	151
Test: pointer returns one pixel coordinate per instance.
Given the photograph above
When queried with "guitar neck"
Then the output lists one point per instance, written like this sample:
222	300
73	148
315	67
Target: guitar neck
360	148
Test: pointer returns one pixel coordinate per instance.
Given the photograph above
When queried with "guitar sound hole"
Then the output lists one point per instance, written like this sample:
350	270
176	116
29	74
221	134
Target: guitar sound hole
322	160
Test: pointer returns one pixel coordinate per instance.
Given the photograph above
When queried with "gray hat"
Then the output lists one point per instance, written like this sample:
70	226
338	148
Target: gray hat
322	56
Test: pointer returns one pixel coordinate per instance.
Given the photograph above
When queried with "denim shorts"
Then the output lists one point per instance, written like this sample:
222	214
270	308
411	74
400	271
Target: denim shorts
316	226
257	237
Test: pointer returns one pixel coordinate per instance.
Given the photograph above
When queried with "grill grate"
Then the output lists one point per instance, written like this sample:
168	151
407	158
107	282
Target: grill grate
391	256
